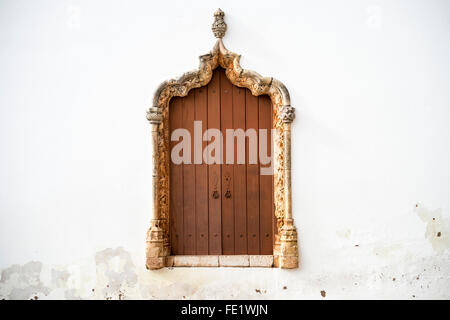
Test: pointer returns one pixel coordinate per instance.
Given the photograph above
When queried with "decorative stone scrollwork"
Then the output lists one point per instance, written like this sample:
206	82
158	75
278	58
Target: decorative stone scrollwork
285	247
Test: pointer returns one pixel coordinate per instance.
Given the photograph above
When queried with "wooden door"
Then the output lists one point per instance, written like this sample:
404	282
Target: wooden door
223	208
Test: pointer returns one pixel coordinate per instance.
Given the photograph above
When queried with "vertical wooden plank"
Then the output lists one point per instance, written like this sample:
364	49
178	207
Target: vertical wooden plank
201	176
189	180
239	176
265	181
214	171
226	111
252	112
176	182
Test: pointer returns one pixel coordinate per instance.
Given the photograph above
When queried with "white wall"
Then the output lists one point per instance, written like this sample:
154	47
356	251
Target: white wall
370	81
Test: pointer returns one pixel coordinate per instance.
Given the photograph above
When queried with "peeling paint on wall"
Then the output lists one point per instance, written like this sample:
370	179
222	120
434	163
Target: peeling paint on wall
437	228
115	273
23	282
344	233
118	274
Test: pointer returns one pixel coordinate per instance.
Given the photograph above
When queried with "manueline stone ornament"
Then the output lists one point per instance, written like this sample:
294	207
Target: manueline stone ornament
219	27
285	249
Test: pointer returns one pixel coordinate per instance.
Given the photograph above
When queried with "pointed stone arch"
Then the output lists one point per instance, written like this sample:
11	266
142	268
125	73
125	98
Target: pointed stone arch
158	245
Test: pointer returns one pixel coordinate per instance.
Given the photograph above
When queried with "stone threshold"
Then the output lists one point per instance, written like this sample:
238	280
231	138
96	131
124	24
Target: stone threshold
261	261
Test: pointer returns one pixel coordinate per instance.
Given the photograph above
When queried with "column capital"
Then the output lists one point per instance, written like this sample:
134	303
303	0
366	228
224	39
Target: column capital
287	114
154	115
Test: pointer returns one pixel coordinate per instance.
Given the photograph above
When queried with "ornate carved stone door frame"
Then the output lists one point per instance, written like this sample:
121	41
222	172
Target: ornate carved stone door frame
158	245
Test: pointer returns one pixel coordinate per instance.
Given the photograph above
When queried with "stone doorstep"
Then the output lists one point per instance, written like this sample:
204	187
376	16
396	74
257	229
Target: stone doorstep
234	261
265	261
196	261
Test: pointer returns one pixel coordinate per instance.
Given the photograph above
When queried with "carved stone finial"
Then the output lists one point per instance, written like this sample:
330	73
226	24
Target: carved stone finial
154	115
219	27
287	114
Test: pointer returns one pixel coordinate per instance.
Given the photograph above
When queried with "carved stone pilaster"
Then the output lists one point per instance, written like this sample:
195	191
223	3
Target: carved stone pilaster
287	247
157	239
287	255
155	246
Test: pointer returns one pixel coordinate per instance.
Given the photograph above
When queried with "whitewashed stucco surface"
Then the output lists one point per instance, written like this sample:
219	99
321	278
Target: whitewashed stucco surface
371	144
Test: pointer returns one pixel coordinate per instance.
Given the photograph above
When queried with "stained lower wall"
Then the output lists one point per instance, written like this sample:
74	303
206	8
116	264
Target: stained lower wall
369	271
113	274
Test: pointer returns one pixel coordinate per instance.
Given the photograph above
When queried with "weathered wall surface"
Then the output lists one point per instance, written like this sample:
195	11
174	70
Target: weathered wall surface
371	179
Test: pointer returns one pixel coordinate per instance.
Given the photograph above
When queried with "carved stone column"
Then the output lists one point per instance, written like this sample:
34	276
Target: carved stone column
288	250
155	252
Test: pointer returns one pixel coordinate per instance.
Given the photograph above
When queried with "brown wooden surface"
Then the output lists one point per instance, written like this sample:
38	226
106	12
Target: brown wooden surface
244	222
201	178
226	114
214	171
239	177
265	181
252	118
189	181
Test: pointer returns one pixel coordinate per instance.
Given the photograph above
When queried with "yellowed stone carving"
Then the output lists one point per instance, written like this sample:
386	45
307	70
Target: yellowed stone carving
158	245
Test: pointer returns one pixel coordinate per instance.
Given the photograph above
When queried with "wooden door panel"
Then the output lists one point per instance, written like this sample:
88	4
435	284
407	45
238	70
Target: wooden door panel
221	208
